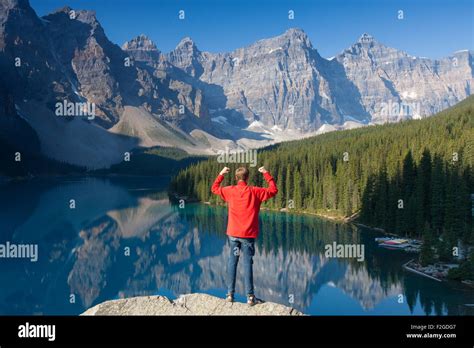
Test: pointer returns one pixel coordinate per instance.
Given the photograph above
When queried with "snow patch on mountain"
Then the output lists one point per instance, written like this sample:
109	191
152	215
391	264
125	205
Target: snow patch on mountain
219	119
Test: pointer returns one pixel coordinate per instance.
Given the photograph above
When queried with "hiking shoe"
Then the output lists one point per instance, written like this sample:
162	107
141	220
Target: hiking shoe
251	300
229	298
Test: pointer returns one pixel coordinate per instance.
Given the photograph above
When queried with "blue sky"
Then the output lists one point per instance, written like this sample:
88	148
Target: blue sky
430	28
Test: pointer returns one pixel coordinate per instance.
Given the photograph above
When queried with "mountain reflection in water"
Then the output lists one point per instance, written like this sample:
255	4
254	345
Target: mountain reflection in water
124	239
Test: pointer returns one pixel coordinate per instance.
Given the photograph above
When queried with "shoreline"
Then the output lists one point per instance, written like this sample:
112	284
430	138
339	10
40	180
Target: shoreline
407	267
334	218
351	220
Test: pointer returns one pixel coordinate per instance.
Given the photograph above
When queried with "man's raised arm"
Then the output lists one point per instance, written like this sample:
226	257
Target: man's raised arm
266	193
216	186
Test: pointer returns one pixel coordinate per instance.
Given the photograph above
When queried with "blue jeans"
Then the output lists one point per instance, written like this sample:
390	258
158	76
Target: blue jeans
246	248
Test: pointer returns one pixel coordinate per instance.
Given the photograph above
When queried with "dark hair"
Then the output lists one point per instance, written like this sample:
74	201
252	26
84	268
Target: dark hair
242	173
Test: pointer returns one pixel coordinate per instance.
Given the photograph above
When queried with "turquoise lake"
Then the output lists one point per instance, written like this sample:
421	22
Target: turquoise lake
124	238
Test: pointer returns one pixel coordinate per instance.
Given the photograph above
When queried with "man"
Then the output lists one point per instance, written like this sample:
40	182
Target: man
243	203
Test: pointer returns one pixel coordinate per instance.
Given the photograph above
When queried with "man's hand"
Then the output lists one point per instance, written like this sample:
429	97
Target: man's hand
262	170
224	171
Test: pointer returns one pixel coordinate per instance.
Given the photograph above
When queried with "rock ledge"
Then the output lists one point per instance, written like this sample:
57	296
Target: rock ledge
190	304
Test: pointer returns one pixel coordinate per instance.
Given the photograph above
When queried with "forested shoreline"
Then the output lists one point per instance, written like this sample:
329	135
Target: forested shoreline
413	178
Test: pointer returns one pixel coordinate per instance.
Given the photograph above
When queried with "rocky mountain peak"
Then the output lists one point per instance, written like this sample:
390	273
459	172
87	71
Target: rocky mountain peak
187	56
64	9
86	17
295	36
367	45
293	41
366	38
187	44
141	42
142	49
9	4
295	32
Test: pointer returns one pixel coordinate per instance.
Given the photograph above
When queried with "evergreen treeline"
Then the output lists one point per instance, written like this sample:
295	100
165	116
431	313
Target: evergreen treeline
412	178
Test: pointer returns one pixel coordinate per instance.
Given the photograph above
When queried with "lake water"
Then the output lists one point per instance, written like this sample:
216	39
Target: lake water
124	239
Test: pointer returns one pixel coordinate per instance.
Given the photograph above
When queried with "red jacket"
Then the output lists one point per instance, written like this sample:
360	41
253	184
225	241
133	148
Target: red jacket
244	204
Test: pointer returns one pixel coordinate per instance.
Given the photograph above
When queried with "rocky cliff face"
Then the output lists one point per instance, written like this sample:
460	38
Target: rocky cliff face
418	86
67	57
142	49
93	63
108	76
188	57
275	82
284	83
28	67
275	89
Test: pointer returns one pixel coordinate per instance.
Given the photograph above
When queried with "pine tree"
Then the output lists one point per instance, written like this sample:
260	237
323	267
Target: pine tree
437	195
288	186
423	178
408	175
279	199
367	201
297	197
380	199
427	255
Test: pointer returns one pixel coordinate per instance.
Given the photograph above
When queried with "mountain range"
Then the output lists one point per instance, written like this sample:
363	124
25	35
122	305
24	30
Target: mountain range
276	89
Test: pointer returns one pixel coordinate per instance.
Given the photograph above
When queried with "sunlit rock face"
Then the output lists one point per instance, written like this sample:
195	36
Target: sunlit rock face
284	82
418	86
275	81
273	90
